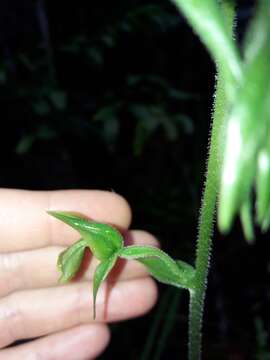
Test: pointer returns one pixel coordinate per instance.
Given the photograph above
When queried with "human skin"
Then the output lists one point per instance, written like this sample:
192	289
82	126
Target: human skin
55	318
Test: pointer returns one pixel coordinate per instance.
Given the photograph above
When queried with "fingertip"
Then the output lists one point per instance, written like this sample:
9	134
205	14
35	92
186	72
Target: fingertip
141	237
100	337
26	224
131	299
99	205
147	298
123	207
152	295
86	341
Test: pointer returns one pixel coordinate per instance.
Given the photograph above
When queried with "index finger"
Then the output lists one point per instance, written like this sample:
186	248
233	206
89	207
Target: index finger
24	223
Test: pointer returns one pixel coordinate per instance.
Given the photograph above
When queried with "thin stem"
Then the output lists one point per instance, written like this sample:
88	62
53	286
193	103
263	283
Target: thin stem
207	214
204	242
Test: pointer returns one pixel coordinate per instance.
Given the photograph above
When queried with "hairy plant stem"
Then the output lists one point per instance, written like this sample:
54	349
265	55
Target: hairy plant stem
208	206
204	241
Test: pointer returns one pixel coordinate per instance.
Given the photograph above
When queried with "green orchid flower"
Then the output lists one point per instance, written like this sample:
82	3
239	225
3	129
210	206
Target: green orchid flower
107	244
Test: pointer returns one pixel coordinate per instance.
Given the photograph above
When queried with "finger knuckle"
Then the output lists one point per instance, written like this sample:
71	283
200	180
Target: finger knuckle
10	320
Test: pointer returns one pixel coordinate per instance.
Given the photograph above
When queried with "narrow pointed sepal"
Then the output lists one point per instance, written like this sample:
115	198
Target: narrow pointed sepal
102	239
102	271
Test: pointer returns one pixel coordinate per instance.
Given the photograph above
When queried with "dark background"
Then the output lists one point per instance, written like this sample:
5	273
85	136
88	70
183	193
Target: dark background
118	96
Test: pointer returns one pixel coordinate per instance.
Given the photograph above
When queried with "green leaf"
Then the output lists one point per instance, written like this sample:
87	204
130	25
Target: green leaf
266	221
69	260
102	239
3	76
100	275
59	99
246	219
248	121
263	183
257	35
25	144
41	107
208	20
187	270
160	265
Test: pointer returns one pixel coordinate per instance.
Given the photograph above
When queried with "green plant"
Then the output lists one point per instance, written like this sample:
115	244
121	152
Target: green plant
106	244
239	155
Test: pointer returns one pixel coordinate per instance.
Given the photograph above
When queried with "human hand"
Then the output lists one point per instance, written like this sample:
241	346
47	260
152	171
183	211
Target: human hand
33	304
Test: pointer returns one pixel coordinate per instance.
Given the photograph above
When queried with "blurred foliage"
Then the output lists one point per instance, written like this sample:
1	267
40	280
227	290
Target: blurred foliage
263	352
47	92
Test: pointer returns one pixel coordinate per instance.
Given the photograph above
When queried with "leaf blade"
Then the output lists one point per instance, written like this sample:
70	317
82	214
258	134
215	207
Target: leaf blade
160	265
69	260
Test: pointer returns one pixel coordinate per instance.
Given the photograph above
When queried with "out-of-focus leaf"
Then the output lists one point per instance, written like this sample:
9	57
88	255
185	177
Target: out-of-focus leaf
102	239
27	141
170	128
100	275
140	138
180	95
248	122
208	20
74	45
108	40
95	55
262	352
148	115
107	112
185	122
266	221
44	132
108	116
146	126
58	99
3	76
25	60
160	265
263	182
152	118
111	130
246	219
41	107
69	260
25	144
